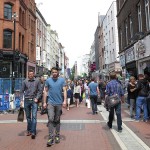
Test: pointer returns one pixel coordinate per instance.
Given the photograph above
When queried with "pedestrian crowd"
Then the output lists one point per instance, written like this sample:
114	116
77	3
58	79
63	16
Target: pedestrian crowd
51	94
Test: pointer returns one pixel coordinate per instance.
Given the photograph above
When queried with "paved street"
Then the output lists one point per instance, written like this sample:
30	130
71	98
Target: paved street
79	130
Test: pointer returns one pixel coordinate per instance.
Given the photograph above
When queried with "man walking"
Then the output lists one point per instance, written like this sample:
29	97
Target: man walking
113	87
94	93
31	89
53	88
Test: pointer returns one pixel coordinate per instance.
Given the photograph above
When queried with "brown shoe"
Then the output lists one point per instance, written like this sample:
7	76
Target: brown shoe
28	133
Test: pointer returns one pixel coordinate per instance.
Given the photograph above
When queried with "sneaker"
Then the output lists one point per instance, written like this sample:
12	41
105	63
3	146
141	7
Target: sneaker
57	139
110	127
28	133
120	130
50	142
137	120
33	136
145	120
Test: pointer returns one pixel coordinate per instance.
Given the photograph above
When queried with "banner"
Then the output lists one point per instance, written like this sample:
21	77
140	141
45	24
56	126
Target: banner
38	55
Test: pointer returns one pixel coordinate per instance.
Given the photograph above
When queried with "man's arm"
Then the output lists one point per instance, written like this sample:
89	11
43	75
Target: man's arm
98	91
39	91
22	93
45	93
65	96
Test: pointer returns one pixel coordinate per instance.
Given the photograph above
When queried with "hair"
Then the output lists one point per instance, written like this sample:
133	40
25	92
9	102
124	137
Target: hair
30	70
54	68
140	76
113	76
93	79
132	77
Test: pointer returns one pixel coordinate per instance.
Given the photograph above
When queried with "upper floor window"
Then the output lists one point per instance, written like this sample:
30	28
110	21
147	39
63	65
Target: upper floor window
126	31
147	15
112	32
131	26
139	17
8	11
121	38
7	39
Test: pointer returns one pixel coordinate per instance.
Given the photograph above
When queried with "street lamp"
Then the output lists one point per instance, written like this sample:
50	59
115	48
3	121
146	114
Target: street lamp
14	16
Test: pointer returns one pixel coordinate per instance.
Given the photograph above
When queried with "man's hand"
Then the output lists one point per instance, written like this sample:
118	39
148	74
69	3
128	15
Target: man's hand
44	105
64	104
36	100
21	103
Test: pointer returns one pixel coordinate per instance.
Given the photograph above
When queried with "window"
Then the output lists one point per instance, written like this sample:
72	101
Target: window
112	30
120	33
147	15
109	38
111	16
8	11
131	26
139	17
7	39
126	32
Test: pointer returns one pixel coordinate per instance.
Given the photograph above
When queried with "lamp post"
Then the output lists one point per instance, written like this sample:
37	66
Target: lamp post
14	16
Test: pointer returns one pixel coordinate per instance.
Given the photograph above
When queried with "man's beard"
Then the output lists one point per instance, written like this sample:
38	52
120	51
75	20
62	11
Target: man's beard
55	76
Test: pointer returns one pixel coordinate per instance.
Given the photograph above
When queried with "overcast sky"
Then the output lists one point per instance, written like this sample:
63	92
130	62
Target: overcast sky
75	22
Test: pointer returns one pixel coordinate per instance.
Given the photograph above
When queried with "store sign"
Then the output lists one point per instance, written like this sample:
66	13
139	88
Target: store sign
38	56
130	55
140	49
122	59
111	67
44	57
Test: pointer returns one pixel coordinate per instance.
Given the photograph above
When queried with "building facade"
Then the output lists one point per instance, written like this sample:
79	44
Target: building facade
17	34
41	43
134	36
111	47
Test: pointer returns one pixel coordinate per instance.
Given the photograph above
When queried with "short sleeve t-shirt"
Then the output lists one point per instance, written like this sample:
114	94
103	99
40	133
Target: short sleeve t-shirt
93	88
55	87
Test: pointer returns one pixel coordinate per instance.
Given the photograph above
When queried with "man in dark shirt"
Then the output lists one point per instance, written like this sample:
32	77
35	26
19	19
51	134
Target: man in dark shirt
31	89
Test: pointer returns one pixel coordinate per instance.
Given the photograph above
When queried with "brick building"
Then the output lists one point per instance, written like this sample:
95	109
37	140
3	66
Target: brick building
134	35
17	37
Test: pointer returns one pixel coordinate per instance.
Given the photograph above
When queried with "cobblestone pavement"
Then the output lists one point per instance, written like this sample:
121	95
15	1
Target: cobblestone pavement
79	130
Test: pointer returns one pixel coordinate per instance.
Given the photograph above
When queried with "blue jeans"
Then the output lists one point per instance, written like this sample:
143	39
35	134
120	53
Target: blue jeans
117	109
93	99
139	102
31	109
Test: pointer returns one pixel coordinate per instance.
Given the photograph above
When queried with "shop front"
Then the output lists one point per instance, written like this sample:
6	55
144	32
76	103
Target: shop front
131	69
142	50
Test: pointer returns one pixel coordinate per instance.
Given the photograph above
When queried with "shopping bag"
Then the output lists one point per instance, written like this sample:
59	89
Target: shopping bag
113	100
20	115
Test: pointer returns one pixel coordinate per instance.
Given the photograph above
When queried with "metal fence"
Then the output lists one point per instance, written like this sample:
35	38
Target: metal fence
9	93
8	85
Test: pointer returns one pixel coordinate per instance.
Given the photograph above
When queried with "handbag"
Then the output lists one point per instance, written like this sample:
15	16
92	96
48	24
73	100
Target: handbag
20	117
113	100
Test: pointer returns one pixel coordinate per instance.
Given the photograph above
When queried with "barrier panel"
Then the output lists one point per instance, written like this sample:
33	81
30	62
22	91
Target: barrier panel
4	102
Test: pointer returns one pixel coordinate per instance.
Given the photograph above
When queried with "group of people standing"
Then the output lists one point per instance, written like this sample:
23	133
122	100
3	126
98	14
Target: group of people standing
138	96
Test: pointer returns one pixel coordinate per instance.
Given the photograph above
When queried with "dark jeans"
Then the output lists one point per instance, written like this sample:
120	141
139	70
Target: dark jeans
93	99
54	113
148	106
31	115
117	109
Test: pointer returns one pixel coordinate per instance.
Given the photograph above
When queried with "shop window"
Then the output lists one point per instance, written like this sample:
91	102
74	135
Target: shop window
7	39
8	11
